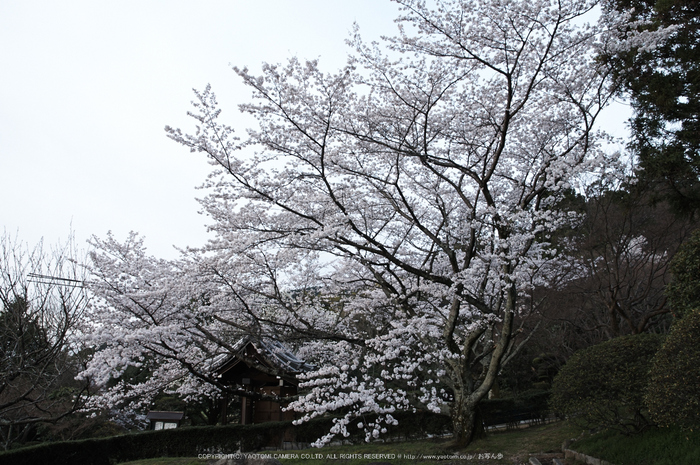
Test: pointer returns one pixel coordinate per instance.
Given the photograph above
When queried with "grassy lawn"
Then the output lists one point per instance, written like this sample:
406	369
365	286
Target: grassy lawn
528	441
658	446
511	447
168	461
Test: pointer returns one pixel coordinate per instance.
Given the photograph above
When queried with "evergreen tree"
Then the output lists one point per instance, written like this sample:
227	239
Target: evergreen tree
664	85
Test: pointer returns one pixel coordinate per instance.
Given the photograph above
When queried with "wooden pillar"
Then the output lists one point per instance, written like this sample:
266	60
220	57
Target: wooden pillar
223	419
247	404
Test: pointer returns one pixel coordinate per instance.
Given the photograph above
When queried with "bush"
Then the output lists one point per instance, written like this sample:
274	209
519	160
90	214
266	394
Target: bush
179	442
528	406
191	441
684	291
673	395
604	385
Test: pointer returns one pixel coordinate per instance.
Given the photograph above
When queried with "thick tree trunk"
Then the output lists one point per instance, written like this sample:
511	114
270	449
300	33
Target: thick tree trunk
465	424
466	421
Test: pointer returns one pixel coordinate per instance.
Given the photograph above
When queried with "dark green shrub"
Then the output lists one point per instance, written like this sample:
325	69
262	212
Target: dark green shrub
684	291
531	405
673	395
189	442
179	442
604	385
419	425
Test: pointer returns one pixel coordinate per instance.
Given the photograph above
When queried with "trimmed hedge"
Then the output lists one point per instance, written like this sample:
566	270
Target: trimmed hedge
604	385
673	395
147	444
191	441
684	290
532	406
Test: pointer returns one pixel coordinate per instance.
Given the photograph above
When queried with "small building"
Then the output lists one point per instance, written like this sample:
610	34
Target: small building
164	420
262	367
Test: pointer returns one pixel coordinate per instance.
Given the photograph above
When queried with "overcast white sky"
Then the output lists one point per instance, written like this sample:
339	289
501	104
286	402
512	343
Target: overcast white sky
86	88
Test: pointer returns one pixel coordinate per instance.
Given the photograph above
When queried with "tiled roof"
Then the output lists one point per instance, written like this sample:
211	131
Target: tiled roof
276	353
156	415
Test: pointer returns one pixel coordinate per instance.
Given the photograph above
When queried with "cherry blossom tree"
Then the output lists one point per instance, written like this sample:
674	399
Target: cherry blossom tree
388	221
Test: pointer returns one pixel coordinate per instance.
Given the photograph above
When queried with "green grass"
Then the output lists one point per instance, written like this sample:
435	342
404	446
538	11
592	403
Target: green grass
524	442
168	461
511	446
655	447
658	446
